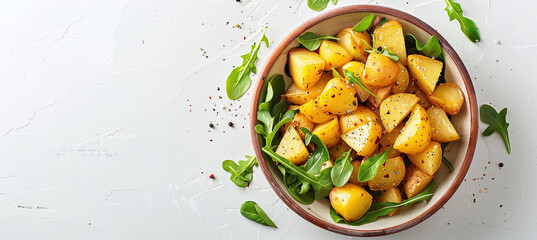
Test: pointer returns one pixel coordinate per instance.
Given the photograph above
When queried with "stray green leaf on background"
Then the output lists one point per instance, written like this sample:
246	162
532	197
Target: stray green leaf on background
468	26
364	24
241	174
252	211
311	41
342	170
370	167
432	49
497	123
444	159
319	5
351	78
239	81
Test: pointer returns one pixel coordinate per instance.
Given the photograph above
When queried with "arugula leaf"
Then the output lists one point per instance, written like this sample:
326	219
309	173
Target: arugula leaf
335	73
252	211
294	187
287	117
496	122
312	41
431	49
342	170
351	78
239	81
241	174
369	168
382	209
275	86
382	51
319	5
317	157
364	23
382	21
444	159
468	26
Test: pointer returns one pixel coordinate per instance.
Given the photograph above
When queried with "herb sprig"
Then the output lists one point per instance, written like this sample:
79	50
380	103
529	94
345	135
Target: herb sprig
370	167
364	24
431	49
312	41
496	122
241	174
444	159
342	170
351	78
380	50
319	5
468	26
252	211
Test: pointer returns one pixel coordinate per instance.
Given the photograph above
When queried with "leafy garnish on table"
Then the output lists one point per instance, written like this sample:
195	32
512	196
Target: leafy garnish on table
252	211
312	41
241	174
444	159
342	170
351	78
468	26
371	165
239	81
319	5
496	122
364	24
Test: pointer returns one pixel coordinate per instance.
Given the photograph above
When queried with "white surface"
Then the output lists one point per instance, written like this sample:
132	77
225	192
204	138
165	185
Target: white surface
105	110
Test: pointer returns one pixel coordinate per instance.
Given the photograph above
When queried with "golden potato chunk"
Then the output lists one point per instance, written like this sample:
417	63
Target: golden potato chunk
382	93
292	147
350	201
388	139
296	95
354	175
429	160
380	71
449	97
354	43
328	132
416	90
361	116
338	97
442	128
334	54
364	139
425	70
389	174
416	135
298	122
390	195
305	67
415	181
358	69
338	150
402	79
390	36
314	113
395	108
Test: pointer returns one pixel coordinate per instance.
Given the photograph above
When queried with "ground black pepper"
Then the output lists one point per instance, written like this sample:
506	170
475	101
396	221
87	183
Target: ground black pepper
500	165
231	124
211	125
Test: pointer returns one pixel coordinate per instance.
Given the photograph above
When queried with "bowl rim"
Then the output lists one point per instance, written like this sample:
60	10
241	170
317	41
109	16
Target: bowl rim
471	98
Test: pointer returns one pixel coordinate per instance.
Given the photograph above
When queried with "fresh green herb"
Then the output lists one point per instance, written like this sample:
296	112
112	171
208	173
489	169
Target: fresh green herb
335	73
311	41
294	187
431	49
382	21
342	170
382	51
272	90
496	122
252	211
444	159
382	209
241	174
351	78
319	5
239	81
468	26
364	24
317	157
369	168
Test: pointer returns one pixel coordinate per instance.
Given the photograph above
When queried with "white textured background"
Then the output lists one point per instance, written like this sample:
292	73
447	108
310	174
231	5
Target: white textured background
105	107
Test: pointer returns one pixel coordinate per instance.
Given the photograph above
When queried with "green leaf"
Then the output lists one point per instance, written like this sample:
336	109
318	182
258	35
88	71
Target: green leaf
369	168
444	159
289	115
382	21
239	81
351	78
316	159
335	73
468	26
431	49
311	41
496	122
364	24
383	51
252	211
342	170
241	174
319	5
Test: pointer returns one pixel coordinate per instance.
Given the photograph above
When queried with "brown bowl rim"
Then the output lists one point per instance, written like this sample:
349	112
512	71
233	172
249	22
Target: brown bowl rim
339	228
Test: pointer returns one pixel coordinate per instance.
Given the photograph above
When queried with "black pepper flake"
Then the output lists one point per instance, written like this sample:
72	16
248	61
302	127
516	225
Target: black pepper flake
379	49
211	125
500	165
231	124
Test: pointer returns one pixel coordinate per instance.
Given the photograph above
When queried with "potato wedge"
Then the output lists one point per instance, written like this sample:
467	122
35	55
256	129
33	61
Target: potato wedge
416	134
305	67
364	139
338	150
327	164
328	132
350	201
390	195
338	97
358	69
388	139
354	43
442	128
314	113
402	79
361	116
416	90
395	108
389	174
382	93
354	175
295	95
292	147
390	36
298	122
334	54
429	160
449	97
425	70
415	181
380	71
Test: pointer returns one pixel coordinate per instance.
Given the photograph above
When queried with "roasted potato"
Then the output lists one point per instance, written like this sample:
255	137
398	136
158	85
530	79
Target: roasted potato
415	181
390	195
335	152
380	71
354	175
299	121
358	69
364	139
334	54
350	201
295	95
429	160
305	67
442	128
389	174
314	113
449	97
395	108
425	70
390	36
382	93
402	79
292	147
416	134
416	90
361	116
328	132
388	139
338	97
354	43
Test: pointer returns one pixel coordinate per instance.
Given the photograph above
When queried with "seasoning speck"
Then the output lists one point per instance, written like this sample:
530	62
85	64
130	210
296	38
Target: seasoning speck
211	125
500	165
231	124
211	176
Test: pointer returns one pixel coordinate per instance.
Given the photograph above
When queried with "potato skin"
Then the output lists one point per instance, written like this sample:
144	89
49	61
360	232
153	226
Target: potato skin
314	113
425	70
382	93
380	71
449	97
395	108
354	43
416	134
350	201
442	128
415	181
361	116
389	175
364	139
328	132
338	97
354	175
334	54
389	195
292	147
298	122
429	160
295	95
402	80
390	36
305	67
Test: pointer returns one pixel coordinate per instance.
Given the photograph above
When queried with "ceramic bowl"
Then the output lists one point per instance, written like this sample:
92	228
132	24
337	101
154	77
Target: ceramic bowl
460	153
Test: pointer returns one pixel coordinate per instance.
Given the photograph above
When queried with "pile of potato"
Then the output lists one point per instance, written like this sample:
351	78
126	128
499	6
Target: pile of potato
412	116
